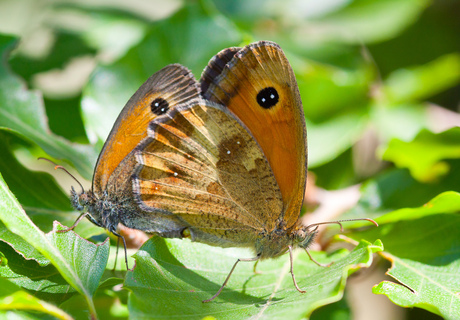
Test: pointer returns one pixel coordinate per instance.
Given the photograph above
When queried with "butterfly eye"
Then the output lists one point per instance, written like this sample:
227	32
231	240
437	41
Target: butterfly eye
268	97
159	106
185	233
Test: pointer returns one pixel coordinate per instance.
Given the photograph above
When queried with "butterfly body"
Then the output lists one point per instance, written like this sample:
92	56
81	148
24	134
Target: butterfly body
222	161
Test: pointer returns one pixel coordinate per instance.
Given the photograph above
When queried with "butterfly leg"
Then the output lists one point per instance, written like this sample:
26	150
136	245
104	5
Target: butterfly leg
317	263
124	246
116	255
292	271
228	277
84	214
255	267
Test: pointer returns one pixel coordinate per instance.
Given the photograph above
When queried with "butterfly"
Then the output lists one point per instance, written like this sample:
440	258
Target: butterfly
221	161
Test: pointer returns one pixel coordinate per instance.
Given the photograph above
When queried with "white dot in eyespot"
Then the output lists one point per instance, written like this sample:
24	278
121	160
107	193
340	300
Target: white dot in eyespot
237	142
175	174
156	104
228	152
162	109
272	96
263	99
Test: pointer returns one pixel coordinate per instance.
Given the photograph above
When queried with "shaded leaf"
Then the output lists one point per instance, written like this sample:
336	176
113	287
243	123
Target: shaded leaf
44	282
339	310
24	183
329	91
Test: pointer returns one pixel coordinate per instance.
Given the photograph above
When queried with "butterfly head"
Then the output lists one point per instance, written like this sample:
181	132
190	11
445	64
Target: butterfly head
99	210
304	236
81	201
86	202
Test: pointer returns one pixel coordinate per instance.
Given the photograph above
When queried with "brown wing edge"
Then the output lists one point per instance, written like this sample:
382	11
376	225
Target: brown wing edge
221	63
215	67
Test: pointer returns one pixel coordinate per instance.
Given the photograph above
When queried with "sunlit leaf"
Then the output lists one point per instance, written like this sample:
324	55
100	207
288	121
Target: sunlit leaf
17	301
423	245
424	81
187	273
423	156
80	262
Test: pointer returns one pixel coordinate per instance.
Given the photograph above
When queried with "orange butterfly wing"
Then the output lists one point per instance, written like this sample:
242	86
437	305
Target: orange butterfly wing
166	89
259	86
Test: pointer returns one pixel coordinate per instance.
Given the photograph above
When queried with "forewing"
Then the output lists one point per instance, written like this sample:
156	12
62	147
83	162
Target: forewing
170	87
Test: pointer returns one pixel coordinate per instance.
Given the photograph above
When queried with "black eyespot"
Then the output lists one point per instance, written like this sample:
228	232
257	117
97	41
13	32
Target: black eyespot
159	106
268	97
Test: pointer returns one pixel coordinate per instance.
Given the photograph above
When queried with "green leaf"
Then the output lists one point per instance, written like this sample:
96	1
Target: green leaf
395	189
16	300
329	91
188	273
423	245
447	202
23	182
114	35
402	121
335	174
22	110
370	21
328	140
44	282
423	155
65	47
339	310
21	246
111	305
64	250
421	82
352	22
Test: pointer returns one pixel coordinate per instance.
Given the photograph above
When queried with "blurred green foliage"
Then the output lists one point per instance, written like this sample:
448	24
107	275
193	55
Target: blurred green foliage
380	85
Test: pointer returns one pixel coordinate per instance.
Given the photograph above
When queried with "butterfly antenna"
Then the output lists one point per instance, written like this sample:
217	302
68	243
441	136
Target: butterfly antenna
56	166
339	222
